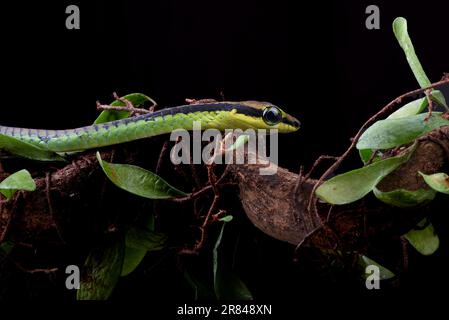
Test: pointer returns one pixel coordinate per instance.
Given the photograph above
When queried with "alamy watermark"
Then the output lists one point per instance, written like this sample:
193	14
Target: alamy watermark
372	277
72	22
372	22
235	147
72	282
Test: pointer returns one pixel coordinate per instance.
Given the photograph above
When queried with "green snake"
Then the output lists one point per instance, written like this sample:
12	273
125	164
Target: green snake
216	115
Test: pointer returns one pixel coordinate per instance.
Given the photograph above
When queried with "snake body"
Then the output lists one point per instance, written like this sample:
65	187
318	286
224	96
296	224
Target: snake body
217	115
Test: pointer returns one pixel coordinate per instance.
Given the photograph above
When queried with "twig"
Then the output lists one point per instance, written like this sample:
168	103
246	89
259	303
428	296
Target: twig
11	216
162	154
212	208
299	182
317	163
203	227
126	102
371	158
33	271
223	175
307	236
207	220
117	108
388	107
128	106
430	103
329	213
200	101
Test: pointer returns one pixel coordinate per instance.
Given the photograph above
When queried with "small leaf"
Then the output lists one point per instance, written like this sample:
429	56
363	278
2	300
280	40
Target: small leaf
27	150
367	154
226	284
21	180
354	185
137	99
133	257
6	247
401	33
390	133
239	142
139	181
384	273
437	181
144	239
425	241
403	198
227	218
410	109
102	271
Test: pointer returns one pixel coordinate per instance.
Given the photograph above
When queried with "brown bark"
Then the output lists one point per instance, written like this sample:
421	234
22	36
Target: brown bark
272	205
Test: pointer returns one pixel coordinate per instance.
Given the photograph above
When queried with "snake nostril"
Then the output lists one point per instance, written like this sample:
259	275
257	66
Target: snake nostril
296	123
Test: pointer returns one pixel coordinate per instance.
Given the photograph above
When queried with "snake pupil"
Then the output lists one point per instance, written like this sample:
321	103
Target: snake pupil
272	116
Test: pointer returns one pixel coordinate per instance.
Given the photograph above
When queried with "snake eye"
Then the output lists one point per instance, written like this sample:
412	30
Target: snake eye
272	116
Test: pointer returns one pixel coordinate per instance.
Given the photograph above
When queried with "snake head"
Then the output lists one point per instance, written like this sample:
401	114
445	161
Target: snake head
269	116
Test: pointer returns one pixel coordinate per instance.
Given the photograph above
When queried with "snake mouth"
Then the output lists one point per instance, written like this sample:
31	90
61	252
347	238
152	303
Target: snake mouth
292	122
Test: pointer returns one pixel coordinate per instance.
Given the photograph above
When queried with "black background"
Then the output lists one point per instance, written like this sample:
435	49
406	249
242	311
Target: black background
317	61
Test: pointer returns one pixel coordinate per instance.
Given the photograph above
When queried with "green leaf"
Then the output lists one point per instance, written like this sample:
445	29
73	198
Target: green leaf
139	181
438	97
140	238
133	257
102	271
389	133
227	218
27	150
226	283
137	99
437	181
6	247
134	254
403	198
401	33
425	241
410	109
239	142
21	180
365	155
417	106
384	273
354	185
